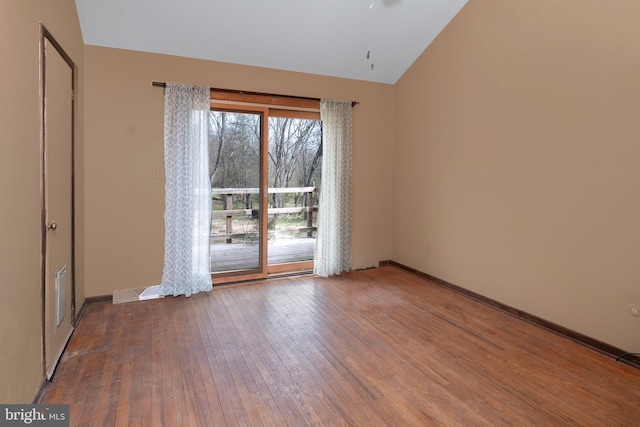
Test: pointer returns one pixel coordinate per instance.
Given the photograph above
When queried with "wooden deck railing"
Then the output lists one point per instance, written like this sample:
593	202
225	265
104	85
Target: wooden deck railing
226	195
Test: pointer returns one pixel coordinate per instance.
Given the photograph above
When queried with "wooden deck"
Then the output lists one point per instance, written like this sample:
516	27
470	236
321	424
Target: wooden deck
242	256
376	347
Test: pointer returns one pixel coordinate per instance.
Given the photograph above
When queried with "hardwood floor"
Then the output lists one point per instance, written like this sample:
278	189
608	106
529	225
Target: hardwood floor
368	348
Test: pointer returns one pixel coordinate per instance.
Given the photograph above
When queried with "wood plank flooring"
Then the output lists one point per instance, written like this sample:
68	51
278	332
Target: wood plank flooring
244	256
369	348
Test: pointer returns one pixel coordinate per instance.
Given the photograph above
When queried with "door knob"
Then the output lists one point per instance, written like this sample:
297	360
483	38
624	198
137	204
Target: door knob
52	225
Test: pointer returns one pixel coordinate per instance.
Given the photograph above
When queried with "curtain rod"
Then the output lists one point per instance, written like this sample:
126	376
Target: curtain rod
244	92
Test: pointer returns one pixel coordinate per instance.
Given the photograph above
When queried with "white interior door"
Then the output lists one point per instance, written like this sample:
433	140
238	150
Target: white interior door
58	202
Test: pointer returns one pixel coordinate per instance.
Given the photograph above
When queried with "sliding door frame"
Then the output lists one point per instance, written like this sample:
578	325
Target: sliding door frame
268	106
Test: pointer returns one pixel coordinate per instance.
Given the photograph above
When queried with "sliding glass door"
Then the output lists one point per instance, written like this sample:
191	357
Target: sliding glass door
265	177
295	153
237	169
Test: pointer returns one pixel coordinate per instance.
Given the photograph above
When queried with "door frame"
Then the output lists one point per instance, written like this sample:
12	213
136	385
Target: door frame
269	106
45	35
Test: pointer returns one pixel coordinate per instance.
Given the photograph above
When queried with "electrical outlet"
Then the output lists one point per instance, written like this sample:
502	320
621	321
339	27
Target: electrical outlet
156	172
633	310
428	250
129	261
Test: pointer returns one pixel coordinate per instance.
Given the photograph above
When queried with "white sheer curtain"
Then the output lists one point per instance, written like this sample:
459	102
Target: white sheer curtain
187	215
333	242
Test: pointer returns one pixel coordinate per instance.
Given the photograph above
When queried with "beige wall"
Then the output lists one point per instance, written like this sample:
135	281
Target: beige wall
21	372
124	153
516	160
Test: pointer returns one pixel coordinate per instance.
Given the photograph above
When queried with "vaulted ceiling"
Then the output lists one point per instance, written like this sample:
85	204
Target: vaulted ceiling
372	40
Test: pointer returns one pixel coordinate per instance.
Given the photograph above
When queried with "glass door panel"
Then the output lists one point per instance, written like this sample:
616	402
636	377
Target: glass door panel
295	153
237	196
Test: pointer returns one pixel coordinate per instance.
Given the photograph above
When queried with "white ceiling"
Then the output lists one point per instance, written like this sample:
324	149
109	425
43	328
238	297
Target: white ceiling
326	37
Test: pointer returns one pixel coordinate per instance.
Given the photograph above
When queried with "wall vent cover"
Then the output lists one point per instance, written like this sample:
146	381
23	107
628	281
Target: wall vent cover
61	295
